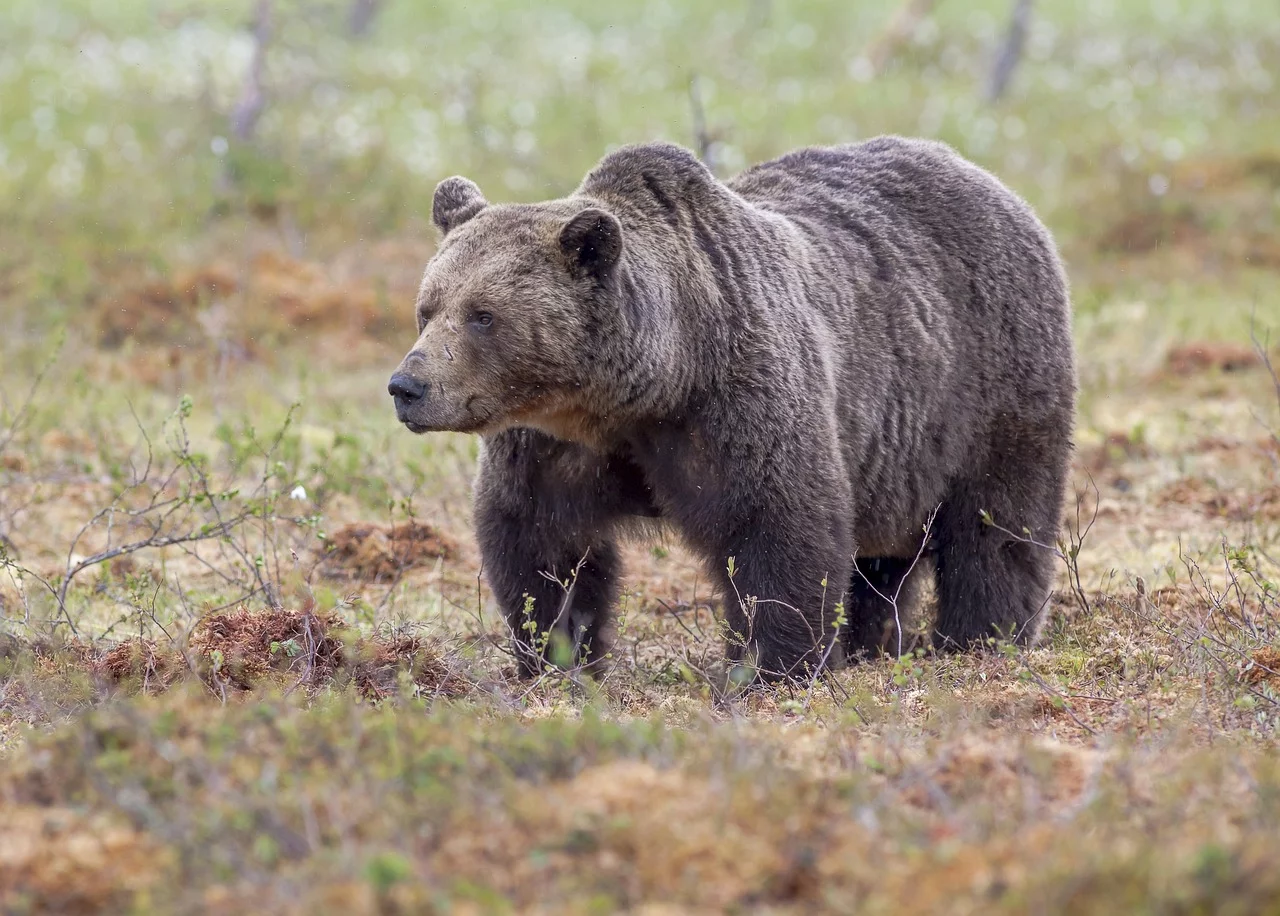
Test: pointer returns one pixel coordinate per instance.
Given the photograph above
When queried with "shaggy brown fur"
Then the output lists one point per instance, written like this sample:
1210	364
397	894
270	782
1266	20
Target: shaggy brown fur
794	368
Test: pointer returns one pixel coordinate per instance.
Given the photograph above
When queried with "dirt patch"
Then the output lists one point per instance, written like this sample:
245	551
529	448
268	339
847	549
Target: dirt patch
1237	505
1203	356
378	553
1216	213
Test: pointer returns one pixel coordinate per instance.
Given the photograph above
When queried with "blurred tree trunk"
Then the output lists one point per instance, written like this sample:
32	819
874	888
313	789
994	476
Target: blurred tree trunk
361	17
1010	50
253	99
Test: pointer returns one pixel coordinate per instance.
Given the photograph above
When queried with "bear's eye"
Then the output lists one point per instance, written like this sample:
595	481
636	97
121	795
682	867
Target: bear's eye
482	319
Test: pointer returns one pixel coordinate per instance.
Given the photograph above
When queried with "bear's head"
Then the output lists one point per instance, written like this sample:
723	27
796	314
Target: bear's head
511	310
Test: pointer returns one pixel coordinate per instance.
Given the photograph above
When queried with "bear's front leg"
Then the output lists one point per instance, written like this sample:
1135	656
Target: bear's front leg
783	593
543	517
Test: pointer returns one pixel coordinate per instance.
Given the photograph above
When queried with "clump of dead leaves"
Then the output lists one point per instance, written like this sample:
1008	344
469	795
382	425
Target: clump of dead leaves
379	553
1208	356
240	650
1264	667
272	293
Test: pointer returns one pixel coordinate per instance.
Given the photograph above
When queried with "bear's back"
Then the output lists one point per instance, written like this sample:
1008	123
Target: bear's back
915	215
895	184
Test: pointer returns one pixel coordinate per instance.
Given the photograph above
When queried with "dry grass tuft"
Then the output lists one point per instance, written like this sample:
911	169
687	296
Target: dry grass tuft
1239	504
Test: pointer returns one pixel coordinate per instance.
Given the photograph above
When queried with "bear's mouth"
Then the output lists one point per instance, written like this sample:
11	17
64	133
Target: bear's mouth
469	423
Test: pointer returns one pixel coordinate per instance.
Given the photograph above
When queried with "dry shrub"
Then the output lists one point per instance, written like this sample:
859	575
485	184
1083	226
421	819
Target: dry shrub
59	860
977	769
1218	212
303	294
276	294
1146	230
376	553
652	834
241	648
380	661
1117	448
1175	601
123	567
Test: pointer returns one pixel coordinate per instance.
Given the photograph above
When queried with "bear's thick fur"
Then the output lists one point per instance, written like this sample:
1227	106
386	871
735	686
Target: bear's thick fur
797	369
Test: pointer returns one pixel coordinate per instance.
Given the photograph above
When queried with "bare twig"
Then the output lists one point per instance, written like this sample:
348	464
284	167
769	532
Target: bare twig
15	422
177	504
1262	348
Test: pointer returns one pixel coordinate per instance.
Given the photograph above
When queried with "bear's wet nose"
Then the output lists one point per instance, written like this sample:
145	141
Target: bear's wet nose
406	388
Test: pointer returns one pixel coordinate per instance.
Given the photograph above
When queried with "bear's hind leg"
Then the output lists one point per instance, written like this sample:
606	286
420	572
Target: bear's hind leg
993	582
879	584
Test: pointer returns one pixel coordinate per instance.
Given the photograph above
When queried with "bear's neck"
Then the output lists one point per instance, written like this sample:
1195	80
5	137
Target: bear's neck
683	317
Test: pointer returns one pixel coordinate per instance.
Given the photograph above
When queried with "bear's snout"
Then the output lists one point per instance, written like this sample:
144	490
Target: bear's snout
408	394
405	389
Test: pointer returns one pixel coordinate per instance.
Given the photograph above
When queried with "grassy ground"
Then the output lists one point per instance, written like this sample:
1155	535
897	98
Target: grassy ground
247	661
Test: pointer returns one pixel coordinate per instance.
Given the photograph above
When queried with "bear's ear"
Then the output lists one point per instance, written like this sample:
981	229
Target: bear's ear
457	200
592	242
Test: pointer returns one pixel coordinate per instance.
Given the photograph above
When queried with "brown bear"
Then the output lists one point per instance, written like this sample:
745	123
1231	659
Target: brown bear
797	369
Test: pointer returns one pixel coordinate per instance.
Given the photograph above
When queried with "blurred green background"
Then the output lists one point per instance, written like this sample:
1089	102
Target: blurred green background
154	152
115	116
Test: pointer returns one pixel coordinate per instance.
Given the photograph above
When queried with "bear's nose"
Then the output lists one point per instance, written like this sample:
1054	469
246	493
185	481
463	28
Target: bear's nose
406	388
